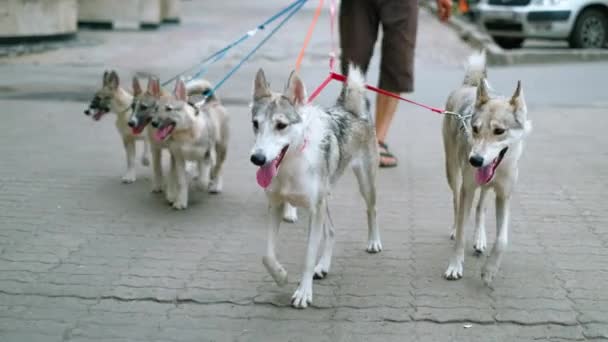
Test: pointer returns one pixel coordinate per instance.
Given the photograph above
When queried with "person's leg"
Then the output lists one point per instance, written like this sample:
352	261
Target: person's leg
358	33
399	20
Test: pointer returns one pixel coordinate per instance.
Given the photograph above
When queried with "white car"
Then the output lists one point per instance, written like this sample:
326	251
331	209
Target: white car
583	23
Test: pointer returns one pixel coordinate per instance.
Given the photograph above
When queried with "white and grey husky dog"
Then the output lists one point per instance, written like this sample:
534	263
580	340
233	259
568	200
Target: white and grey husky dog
301	151
197	133
482	152
111	97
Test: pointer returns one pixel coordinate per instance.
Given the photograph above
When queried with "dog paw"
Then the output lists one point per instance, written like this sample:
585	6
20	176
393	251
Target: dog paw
215	186
455	270
302	298
128	178
179	205
320	272
480	246
374	246
145	161
452	232
290	214
489	272
278	272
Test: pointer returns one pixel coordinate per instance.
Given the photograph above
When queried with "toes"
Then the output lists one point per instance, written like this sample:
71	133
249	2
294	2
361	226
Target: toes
319	275
374	247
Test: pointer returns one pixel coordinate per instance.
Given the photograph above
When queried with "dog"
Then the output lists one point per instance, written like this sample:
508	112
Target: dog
145	106
196	133
113	98
482	151
301	151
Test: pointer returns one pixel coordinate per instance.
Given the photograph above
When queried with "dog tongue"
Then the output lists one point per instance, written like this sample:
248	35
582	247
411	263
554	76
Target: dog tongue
161	134
484	174
266	173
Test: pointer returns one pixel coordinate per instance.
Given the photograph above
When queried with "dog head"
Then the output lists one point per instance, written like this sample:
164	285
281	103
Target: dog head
173	113
276	123
145	105
102	100
497	123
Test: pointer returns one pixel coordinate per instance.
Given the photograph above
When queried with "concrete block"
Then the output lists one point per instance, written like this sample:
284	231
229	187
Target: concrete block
37	18
120	14
170	10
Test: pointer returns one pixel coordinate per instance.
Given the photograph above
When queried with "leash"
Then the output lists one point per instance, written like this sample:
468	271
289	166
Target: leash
218	55
298	5
311	28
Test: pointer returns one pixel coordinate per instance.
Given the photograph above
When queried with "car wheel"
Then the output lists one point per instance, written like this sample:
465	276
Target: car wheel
590	30
509	42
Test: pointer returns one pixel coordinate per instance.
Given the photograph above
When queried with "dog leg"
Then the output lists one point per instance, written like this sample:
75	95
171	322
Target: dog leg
157	169
129	176
456	263
181	200
290	213
276	270
145	160
322	268
215	177
303	295
490	268
203	170
454	179
480	223
365	174
171	193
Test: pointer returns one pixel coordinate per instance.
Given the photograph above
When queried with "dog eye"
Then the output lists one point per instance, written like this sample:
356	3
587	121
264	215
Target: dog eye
498	131
281	126
255	125
168	108
476	129
143	106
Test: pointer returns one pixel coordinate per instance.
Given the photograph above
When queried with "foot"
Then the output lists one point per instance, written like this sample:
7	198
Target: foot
455	269
302	298
374	246
290	213
480	244
321	270
489	271
387	159
215	186
129	177
179	205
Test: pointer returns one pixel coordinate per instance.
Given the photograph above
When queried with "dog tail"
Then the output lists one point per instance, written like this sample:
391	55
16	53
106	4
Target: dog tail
353	94
475	69
199	87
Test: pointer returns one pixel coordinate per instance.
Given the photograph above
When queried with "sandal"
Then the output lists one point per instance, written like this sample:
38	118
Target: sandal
387	159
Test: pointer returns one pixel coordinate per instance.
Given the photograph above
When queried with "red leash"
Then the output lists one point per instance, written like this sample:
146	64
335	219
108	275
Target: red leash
342	78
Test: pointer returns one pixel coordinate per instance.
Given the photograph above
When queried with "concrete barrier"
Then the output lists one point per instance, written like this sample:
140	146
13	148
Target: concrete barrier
36	19
170	11
120	14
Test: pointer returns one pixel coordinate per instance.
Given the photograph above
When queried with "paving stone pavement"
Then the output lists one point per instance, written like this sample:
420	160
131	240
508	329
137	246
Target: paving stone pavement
86	258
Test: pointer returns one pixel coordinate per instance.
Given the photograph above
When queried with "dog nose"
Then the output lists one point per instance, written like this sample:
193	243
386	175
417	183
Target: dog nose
155	124
258	159
132	123
476	160
87	112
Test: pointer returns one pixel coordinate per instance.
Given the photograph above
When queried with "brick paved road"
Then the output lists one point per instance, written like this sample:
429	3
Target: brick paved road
86	258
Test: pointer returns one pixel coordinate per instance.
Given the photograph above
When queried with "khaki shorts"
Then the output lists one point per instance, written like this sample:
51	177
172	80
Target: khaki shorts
359	24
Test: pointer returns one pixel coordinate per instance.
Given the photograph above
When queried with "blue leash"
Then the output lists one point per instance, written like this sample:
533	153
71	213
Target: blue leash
205	63
296	8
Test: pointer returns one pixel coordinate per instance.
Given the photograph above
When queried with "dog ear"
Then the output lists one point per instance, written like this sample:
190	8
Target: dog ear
482	93
180	90
105	77
295	92
260	86
517	100
113	80
153	86
136	86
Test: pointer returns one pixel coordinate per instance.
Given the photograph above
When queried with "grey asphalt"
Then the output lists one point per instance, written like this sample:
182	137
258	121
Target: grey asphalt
86	258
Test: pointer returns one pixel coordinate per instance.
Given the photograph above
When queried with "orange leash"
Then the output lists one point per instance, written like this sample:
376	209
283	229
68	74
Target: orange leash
311	28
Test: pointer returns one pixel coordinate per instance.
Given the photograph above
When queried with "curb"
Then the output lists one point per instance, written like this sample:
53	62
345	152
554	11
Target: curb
478	39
